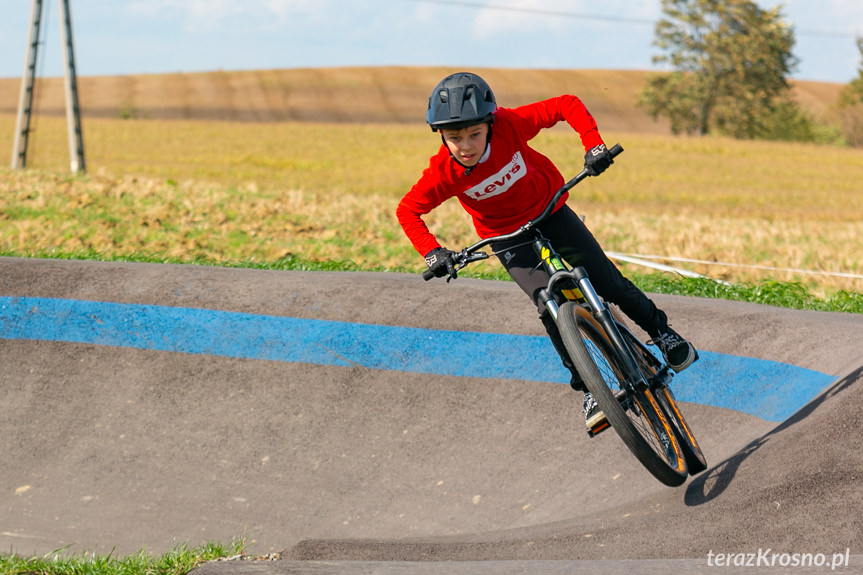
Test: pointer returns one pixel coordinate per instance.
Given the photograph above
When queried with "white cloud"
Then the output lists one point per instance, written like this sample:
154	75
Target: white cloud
290	7
834	16
227	15
568	17
848	14
493	22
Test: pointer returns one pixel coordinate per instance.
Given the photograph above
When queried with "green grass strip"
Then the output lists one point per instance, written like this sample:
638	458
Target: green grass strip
179	561
792	295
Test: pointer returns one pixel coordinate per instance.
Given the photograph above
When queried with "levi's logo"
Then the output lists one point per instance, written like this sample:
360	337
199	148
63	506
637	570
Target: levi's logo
501	181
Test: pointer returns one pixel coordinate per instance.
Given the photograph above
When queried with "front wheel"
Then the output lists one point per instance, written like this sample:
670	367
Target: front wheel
636	416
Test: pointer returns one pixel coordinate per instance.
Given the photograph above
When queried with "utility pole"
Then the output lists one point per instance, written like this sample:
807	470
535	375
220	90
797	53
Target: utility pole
25	101
73	111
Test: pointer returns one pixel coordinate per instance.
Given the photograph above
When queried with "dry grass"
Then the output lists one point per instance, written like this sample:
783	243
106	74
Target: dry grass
240	192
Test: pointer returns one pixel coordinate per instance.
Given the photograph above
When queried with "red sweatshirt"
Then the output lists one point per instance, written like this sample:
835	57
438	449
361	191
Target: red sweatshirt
511	187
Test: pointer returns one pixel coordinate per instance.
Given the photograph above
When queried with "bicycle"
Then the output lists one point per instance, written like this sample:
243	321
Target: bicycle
628	381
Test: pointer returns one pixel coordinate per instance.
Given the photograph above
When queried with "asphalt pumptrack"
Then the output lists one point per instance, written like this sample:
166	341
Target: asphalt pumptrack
339	423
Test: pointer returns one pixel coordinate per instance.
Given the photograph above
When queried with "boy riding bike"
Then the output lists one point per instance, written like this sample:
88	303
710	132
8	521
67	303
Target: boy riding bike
485	162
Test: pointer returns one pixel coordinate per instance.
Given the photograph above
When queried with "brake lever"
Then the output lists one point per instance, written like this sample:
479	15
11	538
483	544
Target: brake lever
463	259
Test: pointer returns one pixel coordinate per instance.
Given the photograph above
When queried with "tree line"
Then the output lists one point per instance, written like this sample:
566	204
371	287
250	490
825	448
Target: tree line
729	64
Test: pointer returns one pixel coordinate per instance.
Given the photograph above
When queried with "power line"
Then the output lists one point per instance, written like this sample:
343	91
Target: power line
582	16
540	11
825	34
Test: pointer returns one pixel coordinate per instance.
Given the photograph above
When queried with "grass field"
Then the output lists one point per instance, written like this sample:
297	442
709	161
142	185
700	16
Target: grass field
233	192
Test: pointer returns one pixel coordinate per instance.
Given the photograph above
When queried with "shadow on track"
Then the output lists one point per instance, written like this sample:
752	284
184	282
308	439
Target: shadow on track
713	482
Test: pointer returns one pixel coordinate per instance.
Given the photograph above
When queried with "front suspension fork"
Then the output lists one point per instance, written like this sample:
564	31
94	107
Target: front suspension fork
600	313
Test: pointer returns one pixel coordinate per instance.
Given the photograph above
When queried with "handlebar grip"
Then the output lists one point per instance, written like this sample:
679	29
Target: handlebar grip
427	275
615	150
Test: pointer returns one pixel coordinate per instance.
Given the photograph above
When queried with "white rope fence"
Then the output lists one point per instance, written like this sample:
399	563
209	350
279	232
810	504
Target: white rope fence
646	261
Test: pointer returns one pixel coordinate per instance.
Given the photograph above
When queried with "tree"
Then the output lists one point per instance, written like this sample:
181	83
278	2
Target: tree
851	105
853	92
729	61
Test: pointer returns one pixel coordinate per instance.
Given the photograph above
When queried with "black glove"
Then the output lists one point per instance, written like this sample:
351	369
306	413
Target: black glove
440	262
597	159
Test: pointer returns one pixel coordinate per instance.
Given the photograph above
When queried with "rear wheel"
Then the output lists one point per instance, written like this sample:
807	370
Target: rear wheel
636	417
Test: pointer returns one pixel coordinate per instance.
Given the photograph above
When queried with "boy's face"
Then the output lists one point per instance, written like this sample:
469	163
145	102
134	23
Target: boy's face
467	144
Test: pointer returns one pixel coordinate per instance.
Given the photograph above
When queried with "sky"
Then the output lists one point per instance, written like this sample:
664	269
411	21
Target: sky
121	37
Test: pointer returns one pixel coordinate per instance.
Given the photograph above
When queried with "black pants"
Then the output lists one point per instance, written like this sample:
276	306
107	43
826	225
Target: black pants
577	246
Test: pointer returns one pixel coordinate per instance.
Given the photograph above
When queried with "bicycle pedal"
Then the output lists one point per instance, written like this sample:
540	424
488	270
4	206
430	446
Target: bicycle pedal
597	424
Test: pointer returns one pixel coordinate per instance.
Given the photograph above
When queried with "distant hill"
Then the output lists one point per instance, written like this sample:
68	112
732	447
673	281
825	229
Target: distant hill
377	94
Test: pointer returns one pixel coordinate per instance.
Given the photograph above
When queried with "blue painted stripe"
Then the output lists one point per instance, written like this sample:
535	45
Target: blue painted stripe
769	390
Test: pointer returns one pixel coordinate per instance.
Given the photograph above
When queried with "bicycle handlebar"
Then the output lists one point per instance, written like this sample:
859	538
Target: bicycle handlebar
469	254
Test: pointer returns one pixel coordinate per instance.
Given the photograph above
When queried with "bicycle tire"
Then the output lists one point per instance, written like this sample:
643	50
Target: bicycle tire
641	423
650	366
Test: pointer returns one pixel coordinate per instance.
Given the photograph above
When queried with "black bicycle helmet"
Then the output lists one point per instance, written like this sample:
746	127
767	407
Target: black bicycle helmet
459	101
